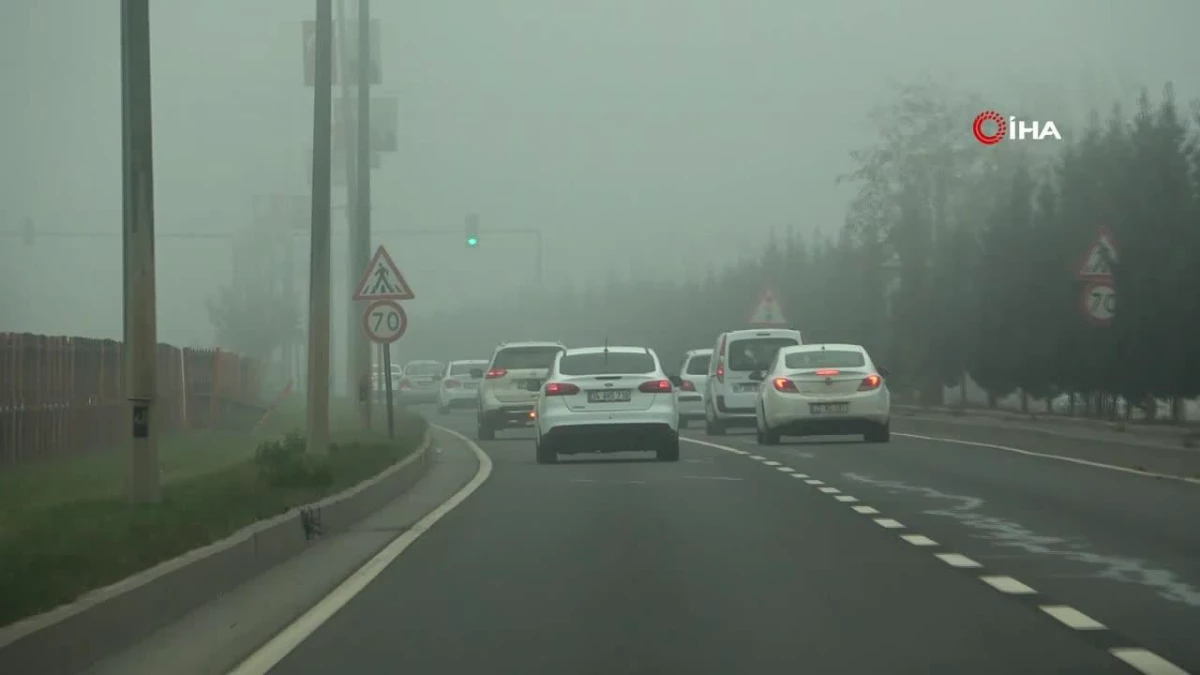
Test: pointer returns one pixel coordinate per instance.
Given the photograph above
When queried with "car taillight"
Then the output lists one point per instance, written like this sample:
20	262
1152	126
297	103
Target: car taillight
655	387
784	384
453	384
870	382
721	372
827	372
496	373
561	389
687	386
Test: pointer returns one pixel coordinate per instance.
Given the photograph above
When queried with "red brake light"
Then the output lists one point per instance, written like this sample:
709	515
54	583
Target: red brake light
826	372
655	387
687	386
453	384
870	382
561	389
784	384
495	373
720	371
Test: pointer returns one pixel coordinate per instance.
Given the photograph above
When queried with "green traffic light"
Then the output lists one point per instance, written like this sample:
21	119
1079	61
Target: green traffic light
472	241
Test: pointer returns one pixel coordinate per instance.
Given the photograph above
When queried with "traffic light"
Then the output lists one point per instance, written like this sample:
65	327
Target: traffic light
472	231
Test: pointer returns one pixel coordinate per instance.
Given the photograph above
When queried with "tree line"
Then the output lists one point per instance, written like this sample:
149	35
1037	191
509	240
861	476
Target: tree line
955	258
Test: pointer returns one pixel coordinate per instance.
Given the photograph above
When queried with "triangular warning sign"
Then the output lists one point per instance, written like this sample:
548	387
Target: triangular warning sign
382	280
1098	261
768	313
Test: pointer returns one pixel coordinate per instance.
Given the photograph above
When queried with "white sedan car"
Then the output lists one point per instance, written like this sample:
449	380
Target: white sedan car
606	399
823	390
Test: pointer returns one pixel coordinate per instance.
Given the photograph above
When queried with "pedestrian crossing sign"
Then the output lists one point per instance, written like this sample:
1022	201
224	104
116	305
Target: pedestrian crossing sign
382	280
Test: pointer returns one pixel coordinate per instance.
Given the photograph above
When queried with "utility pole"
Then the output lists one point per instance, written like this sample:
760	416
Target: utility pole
141	340
319	291
362	179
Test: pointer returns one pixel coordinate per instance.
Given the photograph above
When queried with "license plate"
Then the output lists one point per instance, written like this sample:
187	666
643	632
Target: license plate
609	395
749	386
530	385
829	408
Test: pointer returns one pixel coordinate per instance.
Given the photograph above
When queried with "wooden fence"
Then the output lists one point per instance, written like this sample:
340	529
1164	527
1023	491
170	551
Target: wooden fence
63	395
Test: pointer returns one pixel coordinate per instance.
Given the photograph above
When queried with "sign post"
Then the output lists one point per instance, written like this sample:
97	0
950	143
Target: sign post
384	320
767	313
1099	299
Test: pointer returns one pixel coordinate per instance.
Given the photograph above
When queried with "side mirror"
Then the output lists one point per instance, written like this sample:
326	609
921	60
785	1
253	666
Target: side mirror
757	376
675	380
883	372
476	373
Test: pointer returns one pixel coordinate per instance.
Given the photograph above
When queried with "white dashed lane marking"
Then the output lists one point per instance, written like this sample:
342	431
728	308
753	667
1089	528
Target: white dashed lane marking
957	560
1141	660
1007	585
1071	617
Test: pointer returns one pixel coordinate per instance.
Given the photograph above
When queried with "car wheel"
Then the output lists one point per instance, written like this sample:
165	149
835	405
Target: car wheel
713	426
880	434
484	431
545	452
668	451
764	434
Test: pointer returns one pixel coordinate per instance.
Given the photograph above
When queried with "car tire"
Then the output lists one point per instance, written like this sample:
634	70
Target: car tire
765	435
668	451
484	431
545	452
713	427
880	434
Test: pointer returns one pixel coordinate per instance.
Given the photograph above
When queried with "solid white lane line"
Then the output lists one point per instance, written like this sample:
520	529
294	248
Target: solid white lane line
918	540
865	510
888	523
267	656
1072	617
957	560
1007	585
830	490
845	498
1146	661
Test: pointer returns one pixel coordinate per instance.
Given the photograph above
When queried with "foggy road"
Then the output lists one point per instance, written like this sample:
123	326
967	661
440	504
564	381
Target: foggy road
735	560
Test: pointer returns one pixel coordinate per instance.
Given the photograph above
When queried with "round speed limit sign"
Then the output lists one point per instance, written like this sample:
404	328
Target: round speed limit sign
1099	303
384	321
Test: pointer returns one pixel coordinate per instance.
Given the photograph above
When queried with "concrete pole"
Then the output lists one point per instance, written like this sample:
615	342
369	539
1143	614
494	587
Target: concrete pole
361	244
141	339
319	266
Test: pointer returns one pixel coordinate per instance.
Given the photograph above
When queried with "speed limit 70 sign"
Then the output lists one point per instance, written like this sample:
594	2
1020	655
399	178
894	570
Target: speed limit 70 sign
1099	303
384	321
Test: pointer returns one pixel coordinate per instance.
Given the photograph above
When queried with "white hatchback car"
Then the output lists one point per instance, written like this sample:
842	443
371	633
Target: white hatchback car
458	386
606	399
511	382
822	390
691	384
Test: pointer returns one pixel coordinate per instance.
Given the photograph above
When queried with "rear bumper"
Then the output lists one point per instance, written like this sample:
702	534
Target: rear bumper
690	406
508	416
458	398
604	437
794	416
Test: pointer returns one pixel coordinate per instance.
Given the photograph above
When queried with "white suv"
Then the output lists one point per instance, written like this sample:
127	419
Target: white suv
607	399
511	383
730	392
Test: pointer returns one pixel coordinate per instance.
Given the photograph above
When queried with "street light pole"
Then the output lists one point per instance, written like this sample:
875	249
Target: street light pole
362	243
141	340
319	291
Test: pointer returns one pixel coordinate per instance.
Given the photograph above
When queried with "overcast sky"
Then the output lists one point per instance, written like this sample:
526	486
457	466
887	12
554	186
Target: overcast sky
658	135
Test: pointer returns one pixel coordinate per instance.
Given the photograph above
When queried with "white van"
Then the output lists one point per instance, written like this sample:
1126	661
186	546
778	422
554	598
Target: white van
730	393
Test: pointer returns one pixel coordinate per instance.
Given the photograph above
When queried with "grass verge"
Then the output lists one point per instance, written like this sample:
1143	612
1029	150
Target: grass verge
66	529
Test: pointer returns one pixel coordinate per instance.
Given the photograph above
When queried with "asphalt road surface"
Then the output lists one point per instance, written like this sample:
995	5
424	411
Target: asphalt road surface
820	556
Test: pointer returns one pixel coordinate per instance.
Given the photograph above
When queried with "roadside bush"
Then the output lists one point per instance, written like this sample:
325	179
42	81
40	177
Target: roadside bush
285	463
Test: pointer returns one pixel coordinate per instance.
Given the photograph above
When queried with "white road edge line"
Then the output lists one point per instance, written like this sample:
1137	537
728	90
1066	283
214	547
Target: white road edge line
1072	618
1008	585
918	540
267	656
1061	458
1146	661
957	560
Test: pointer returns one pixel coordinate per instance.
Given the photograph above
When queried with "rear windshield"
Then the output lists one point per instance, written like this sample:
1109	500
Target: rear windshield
824	358
613	363
423	369
698	365
466	368
519	358
756	353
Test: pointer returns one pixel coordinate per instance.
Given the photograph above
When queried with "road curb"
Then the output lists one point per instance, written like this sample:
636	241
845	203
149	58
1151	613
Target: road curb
70	638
